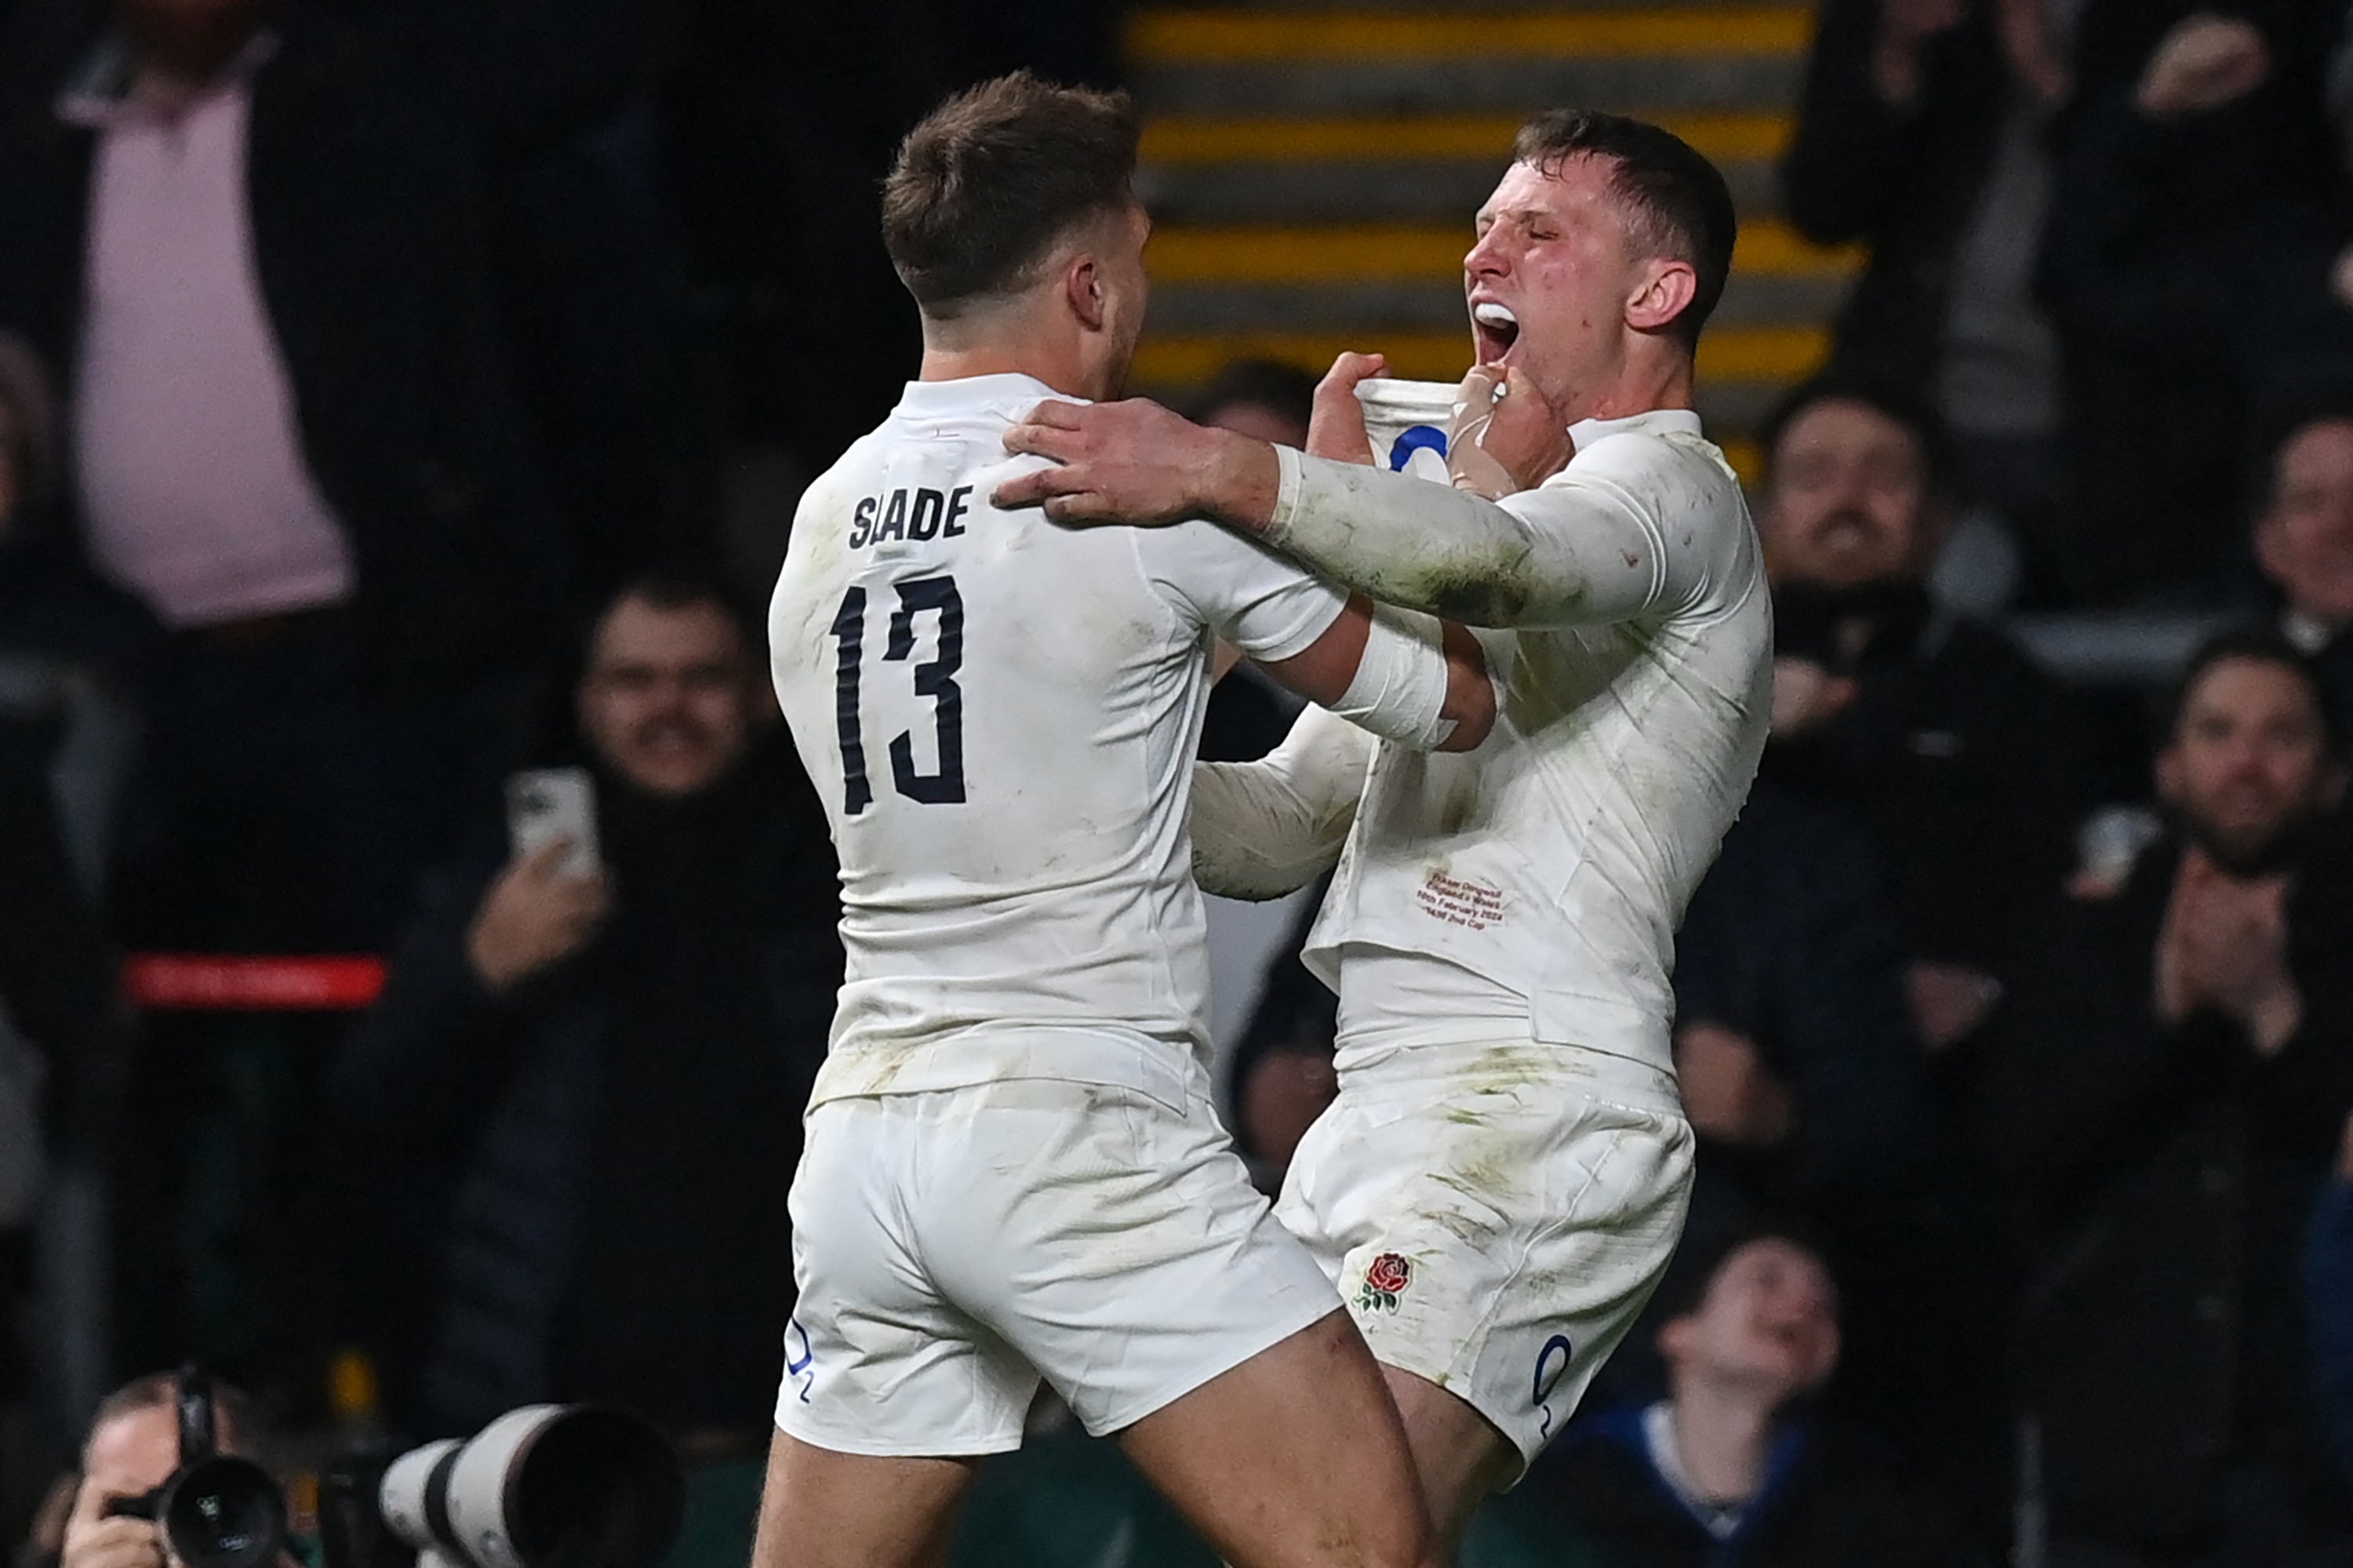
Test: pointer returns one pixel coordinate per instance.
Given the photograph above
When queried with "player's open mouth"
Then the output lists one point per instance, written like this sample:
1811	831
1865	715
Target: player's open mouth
1496	328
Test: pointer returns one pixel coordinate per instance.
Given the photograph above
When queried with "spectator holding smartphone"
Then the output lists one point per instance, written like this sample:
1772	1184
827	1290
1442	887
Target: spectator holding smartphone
582	1089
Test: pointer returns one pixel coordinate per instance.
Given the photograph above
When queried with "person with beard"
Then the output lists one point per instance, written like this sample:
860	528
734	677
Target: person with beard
2166	1093
1951	749
580	1096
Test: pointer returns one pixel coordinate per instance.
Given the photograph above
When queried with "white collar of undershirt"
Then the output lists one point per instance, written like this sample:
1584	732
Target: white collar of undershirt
1656	422
2308	634
966	394
1721	1521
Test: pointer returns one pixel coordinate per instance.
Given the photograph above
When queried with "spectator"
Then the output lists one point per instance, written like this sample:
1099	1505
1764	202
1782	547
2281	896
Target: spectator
2166	1092
1802	1074
2304	543
1949	747
1921	134
292	439
2329	1303
585	1089
2198	209
1793	1039
1732	1467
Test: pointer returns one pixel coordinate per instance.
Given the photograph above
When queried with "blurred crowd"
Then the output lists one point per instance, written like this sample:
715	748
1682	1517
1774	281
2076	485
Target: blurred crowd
397	396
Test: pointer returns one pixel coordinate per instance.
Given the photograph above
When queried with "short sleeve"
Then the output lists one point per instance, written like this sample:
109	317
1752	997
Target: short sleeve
1254	598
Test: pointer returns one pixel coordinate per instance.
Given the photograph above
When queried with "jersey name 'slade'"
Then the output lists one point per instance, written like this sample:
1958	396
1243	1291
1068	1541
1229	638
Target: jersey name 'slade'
910	514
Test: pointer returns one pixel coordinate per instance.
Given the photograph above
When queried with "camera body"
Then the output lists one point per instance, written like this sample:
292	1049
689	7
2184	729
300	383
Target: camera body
216	1510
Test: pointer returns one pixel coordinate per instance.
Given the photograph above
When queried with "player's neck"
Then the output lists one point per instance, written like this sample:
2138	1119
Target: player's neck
1636	392
964	361
1722	1438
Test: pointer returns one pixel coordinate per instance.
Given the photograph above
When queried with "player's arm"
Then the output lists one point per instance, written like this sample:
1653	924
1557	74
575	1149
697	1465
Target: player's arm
1402	674
1599	542
1263	829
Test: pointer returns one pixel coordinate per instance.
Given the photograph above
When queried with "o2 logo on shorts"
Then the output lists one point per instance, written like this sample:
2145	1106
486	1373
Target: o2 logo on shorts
1551	1362
1416	439
1386	1279
803	1367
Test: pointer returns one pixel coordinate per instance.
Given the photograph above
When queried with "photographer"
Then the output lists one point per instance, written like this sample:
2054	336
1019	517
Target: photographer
132	1448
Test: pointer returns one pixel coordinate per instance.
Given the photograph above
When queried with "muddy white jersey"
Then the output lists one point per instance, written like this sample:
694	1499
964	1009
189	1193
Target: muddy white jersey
1001	713
1542	877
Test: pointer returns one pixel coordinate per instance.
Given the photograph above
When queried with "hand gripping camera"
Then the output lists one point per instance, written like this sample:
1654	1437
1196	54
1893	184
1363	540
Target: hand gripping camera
546	1486
216	1510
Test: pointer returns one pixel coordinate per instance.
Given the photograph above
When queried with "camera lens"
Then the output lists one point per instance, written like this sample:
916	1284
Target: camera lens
225	1513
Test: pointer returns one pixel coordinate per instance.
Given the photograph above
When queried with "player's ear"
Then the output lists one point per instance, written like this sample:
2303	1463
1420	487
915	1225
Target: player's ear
1664	291
1082	289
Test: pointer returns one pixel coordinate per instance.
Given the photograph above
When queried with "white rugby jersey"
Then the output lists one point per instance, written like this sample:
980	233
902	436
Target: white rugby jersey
1540	878
1001	713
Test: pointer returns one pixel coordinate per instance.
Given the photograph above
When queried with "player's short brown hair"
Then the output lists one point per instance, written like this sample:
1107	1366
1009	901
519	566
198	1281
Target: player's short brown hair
1678	202
993	177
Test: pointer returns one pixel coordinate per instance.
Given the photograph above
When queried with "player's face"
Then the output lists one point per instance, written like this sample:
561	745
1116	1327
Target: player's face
2305	537
1849	499
1548	281
665	702
1769	1321
2247	767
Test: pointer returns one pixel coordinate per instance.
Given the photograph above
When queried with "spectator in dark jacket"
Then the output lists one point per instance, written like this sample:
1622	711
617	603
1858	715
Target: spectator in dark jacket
1920	135
2197	214
2168	1091
587	1085
1730	1468
1949	747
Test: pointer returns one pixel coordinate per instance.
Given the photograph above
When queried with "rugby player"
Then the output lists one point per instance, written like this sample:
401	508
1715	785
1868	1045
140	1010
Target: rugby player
1504	1173
1013	1167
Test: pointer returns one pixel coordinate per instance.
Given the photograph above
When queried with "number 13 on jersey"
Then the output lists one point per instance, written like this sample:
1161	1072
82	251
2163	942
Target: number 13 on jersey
934	678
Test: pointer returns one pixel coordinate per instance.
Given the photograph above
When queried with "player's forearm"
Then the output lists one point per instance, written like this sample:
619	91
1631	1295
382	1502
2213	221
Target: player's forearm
1428	547
1261	830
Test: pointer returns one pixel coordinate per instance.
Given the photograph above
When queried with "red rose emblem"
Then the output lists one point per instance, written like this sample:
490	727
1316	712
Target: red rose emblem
1389	1272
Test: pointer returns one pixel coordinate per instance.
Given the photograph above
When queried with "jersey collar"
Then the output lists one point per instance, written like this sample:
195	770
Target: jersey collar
1656	422
968	393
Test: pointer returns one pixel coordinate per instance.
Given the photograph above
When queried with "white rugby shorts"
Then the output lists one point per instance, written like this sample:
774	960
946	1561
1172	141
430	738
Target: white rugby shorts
1495	1218
952	1246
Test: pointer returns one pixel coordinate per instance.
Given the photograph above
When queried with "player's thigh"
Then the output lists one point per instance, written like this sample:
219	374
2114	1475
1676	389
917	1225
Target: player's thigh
1459	1454
825	1510
1292	1460
1497	1240
1111	1236
877	1361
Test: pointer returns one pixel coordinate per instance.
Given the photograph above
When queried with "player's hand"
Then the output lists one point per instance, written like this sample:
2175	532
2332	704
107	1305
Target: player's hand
94	1540
1505	436
534	917
2203	63
1335	423
1136	463
1727	1093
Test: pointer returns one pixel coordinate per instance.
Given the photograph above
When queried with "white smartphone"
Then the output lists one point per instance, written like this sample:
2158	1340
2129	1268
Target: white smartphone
548	803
